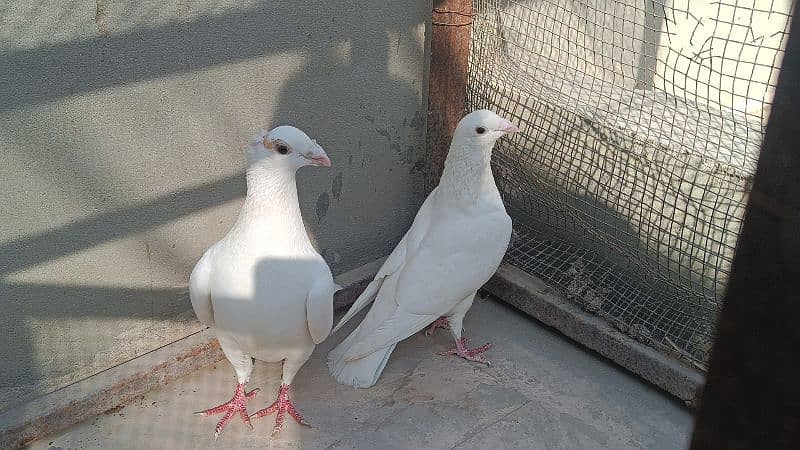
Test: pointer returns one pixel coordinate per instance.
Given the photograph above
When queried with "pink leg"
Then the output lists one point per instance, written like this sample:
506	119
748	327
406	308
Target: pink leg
470	354
237	404
441	322
282	405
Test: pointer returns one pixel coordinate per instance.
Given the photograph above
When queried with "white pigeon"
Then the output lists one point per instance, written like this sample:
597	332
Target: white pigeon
455	244
263	287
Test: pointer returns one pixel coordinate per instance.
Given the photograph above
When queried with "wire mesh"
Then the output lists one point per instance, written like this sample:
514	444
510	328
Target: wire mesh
641	126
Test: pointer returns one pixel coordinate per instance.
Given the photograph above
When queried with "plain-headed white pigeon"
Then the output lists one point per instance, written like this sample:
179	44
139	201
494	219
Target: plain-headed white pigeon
455	244
263	287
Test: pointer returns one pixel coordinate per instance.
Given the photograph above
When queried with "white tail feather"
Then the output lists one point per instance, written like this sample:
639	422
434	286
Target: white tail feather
361	373
363	300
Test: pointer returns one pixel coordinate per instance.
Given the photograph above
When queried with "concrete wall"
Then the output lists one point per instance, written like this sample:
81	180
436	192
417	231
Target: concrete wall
122	127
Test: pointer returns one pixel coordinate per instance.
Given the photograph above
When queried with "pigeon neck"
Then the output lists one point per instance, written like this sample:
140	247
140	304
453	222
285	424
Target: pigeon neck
272	206
467	171
266	184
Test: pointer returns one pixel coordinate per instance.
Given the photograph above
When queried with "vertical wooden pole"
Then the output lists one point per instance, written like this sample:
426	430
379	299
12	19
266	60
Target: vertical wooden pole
752	394
447	85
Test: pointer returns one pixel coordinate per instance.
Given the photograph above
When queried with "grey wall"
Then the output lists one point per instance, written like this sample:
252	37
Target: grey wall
122	125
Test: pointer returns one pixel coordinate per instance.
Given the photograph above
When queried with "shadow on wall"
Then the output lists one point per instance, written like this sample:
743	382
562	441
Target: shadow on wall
361	65
340	58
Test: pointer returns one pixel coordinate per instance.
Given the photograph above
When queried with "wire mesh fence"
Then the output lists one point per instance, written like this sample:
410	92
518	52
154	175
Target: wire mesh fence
642	122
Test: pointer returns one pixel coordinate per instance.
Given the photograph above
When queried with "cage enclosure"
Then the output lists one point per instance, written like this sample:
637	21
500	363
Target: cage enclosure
642	123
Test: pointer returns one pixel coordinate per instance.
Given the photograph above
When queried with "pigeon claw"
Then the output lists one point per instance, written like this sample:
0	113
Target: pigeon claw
441	322
237	404
470	354
282	405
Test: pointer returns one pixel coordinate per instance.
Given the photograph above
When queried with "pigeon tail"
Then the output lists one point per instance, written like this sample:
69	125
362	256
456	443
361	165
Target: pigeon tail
361	373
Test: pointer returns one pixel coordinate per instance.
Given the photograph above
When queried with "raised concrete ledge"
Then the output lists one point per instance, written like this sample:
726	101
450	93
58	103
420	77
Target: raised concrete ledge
114	387
354	282
106	390
532	296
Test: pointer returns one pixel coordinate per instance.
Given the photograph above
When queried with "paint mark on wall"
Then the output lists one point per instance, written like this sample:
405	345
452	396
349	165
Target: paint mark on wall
323	202
418	122
100	16
336	187
183	8
397	135
409	152
418	166
363	153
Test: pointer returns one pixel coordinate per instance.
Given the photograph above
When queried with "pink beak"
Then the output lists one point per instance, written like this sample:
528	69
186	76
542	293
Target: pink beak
321	160
508	127
318	157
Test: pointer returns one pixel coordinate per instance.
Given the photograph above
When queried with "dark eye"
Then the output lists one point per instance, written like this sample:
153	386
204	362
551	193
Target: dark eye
480	130
282	149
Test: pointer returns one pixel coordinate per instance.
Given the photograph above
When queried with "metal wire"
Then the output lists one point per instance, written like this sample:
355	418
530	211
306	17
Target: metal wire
641	126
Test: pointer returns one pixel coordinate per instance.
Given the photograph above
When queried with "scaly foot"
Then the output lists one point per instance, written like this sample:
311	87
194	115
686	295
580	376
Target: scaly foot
470	354
441	322
282	405
237	404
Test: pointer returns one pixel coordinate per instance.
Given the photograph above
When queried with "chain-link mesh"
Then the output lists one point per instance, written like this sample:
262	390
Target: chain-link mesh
641	126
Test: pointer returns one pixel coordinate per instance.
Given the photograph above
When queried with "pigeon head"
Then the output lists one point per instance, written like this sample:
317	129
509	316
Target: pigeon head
483	127
285	147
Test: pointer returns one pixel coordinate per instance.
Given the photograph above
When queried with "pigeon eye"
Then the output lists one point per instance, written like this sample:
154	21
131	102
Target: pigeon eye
480	130
282	149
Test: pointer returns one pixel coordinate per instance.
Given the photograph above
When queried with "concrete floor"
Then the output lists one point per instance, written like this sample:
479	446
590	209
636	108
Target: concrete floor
542	392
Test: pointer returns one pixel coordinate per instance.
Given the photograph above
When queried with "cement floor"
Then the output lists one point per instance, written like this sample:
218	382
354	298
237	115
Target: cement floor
542	392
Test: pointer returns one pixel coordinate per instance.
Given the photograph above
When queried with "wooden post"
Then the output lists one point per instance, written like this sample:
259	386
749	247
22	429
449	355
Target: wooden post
447	85
752	396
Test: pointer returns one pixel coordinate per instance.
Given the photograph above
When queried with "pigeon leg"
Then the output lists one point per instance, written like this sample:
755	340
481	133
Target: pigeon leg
470	354
461	349
236	404
282	405
441	322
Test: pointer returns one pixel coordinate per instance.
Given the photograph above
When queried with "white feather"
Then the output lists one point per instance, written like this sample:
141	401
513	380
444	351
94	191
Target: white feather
199	292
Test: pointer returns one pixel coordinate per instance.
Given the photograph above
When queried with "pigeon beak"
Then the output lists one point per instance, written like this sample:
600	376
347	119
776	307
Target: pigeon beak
507	127
319	158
